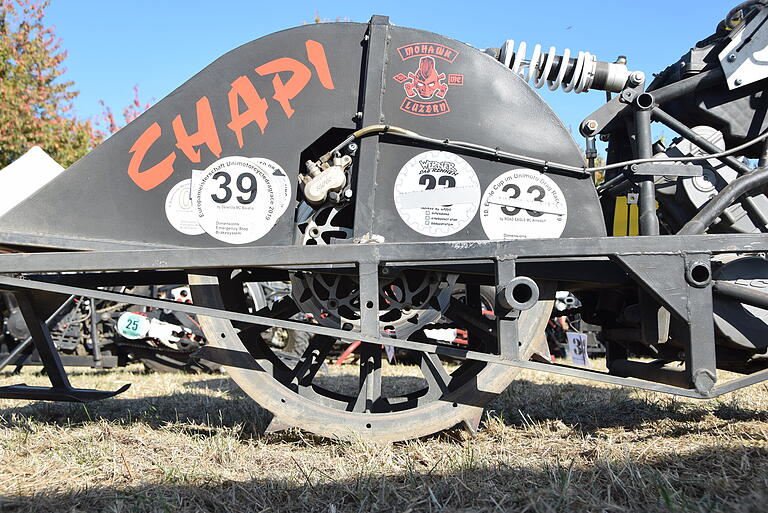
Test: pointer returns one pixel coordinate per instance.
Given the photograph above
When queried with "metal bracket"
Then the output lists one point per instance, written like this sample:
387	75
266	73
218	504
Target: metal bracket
370	112
506	319
744	59
682	284
651	169
60	389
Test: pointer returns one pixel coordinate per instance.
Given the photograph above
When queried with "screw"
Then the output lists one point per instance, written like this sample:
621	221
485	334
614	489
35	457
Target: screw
352	148
591	126
738	82
348	193
358	115
732	57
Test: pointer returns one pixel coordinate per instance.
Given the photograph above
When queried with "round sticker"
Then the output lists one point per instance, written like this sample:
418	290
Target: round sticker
237	200
281	180
133	326
437	193
523	204
179	209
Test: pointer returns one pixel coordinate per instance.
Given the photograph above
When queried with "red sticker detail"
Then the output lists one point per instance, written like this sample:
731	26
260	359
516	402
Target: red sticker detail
446	53
425	108
426	87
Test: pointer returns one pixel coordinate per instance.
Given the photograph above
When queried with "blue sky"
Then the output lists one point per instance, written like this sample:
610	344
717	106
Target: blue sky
159	44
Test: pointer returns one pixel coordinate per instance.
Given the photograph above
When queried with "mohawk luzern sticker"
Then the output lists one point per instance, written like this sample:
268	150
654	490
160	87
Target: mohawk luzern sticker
238	199
179	209
523	204
437	193
426	87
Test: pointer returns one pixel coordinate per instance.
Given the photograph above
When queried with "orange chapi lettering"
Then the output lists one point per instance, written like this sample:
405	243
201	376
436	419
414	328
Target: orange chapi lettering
206	132
316	56
155	175
255	112
284	93
256	108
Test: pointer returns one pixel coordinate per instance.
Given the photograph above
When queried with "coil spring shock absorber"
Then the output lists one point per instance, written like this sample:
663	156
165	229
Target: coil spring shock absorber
578	74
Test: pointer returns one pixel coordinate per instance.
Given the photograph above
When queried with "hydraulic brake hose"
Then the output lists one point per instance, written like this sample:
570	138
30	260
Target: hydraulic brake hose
501	154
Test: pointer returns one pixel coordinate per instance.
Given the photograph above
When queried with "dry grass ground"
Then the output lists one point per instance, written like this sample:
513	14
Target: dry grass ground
195	443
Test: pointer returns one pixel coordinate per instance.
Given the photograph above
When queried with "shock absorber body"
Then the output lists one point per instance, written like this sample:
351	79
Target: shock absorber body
579	73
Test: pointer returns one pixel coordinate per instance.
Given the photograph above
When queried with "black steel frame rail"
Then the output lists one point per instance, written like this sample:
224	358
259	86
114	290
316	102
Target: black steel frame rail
661	265
19	284
277	256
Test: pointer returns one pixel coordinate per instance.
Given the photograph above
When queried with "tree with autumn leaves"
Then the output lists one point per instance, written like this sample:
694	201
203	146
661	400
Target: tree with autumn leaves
35	99
35	102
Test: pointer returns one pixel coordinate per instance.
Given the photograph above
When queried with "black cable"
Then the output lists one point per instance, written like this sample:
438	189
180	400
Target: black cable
724	199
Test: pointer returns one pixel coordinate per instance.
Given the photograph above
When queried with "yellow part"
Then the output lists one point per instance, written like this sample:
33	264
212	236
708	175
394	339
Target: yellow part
634	220
626	218
620	217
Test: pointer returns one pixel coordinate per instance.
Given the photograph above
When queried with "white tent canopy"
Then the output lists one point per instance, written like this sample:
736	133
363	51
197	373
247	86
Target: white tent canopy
25	176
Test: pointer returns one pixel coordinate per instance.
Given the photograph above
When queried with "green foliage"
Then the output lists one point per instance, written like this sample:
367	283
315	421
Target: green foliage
35	103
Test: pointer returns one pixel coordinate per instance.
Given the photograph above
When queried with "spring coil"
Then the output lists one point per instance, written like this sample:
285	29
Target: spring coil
540	66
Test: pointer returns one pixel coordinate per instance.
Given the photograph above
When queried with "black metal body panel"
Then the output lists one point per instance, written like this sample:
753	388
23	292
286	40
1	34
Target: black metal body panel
96	200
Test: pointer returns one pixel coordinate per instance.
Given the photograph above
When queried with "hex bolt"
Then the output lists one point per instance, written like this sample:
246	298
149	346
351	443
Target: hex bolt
591	126
732	57
348	193
636	78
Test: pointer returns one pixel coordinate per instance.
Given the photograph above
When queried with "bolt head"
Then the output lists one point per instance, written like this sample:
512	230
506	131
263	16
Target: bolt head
738	82
732	57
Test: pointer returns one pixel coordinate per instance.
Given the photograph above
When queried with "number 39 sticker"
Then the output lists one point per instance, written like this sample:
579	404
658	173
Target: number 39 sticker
523	204
238	200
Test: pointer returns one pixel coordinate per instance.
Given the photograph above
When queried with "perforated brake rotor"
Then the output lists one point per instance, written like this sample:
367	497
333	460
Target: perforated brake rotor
408	299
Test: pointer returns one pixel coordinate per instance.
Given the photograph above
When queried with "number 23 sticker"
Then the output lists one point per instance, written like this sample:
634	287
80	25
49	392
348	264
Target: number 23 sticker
238	200
523	204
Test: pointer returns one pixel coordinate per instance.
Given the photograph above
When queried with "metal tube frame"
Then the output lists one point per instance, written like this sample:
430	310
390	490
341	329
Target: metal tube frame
660	265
